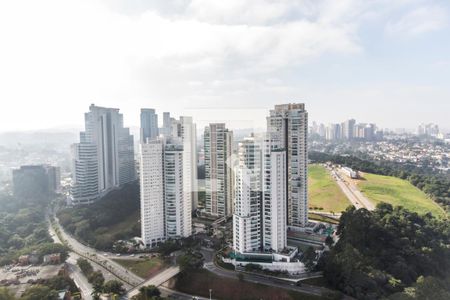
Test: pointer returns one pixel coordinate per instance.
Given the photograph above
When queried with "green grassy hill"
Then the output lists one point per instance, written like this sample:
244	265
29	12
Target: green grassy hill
398	192
324	192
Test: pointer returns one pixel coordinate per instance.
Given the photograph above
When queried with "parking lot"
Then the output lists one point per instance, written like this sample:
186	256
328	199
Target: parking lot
15	274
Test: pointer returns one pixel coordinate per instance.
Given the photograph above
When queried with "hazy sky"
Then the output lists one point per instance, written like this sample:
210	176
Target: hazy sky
383	61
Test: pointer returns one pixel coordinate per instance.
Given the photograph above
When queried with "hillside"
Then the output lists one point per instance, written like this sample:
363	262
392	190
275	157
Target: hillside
324	194
398	192
114	217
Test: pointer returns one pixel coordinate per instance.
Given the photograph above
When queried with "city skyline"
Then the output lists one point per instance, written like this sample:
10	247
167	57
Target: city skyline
210	149
371	61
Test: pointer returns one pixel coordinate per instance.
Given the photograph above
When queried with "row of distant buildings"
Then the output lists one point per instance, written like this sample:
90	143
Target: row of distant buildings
348	130
429	129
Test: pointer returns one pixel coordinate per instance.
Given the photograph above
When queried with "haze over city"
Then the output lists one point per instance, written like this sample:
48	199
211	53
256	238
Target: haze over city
374	60
224	149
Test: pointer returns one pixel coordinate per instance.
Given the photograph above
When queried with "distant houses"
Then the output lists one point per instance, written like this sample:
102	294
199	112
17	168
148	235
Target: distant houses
34	259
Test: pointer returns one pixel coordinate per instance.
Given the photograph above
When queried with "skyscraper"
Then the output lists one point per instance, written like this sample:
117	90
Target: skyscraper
348	128
149	124
334	132
177	204
287	130
188	135
104	157
165	207
247	231
275	212
36	182
218	174
152	193
166	129
186	130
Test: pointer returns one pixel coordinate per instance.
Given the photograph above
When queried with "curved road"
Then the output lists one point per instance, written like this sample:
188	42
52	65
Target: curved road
113	270
261	279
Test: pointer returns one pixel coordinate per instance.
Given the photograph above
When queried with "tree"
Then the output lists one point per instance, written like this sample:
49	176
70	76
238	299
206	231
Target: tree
39	292
253	267
16	241
384	252
149	291
114	286
85	266
5	294
309	258
190	261
96	279
432	288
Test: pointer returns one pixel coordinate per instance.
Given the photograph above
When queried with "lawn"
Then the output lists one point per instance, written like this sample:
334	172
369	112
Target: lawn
200	282
144	268
324	192
398	192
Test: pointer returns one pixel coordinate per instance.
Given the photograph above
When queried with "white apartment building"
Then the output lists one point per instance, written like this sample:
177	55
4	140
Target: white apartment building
152	193
275	204
287	130
247	232
177	213
186	130
165	205
107	144
218	174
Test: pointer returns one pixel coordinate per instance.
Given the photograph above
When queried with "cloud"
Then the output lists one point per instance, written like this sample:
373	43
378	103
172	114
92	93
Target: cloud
57	56
419	21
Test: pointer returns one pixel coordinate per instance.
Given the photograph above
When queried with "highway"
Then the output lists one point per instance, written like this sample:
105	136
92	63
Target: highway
74	271
78	277
156	280
112	270
130	279
352	192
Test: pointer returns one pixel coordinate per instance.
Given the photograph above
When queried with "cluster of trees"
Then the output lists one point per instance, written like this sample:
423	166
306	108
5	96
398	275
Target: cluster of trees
98	281
150	292
190	260
190	243
390	252
436	185
92	224
23	228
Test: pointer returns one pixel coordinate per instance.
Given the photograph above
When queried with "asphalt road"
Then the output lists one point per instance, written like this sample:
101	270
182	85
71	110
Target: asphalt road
77	275
129	278
75	272
352	192
260	279
156	280
112	270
